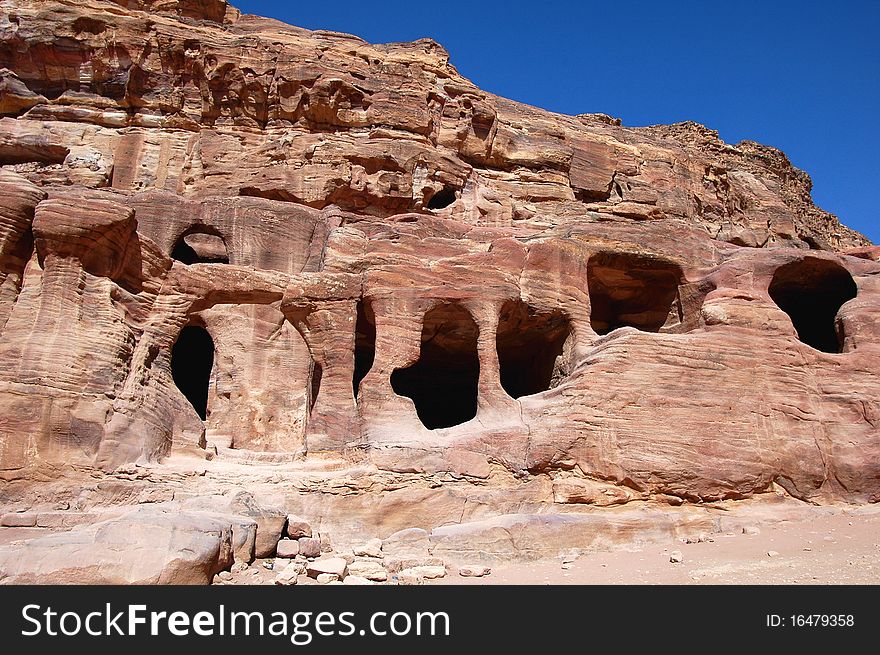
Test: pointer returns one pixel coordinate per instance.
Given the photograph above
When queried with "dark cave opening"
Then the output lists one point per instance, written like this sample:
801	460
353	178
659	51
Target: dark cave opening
442	199
192	359
631	290
531	348
364	342
315	384
811	291
443	382
200	245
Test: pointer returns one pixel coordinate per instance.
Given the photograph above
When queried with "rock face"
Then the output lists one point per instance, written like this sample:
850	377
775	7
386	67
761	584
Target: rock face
142	547
228	238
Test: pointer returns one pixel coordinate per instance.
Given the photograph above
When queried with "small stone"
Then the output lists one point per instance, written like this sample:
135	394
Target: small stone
772	553
239	567
473	571
407	578
309	547
326	546
334	565
703	538
289	574
751	530
676	557
287	548
18	520
356	580
298	527
225	576
373	548
327	578
566	566
268	565
424	572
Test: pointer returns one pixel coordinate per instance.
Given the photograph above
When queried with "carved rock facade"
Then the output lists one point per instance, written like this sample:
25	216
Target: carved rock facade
220	234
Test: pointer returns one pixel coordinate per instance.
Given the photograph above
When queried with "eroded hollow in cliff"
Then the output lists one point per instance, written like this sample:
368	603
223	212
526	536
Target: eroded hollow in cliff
532	348
192	360
442	199
364	342
201	245
811	291
315	376
633	290
443	382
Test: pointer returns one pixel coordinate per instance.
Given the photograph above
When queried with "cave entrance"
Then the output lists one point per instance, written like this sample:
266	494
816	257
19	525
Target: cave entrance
200	245
315	377
443	382
811	291
364	343
632	290
442	199
531	347
192	360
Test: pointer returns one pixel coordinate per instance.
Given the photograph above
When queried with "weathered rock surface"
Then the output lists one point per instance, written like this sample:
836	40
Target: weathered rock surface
309	547
142	547
373	548
287	548
298	527
287	576
474	571
370	570
229	241
267	522
335	566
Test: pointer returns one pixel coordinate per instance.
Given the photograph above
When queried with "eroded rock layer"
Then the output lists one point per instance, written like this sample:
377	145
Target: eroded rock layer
222	236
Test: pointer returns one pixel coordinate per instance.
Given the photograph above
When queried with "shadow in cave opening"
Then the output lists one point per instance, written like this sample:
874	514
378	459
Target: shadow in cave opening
631	290
192	360
811	291
531	348
443	382
364	343
200	244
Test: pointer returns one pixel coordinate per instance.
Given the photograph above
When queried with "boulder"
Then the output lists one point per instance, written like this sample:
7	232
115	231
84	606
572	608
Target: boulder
309	547
330	565
287	548
372	548
18	520
159	548
298	527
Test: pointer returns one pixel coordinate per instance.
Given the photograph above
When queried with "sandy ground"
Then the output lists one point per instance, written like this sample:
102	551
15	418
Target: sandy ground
839	549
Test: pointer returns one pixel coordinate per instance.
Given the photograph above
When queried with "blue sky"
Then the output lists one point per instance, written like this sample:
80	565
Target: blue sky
801	76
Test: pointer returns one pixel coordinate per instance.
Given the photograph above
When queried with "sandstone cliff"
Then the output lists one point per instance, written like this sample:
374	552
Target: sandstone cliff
224	236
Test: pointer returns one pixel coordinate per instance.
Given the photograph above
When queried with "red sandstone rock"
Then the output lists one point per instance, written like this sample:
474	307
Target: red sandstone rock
155	548
225	238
